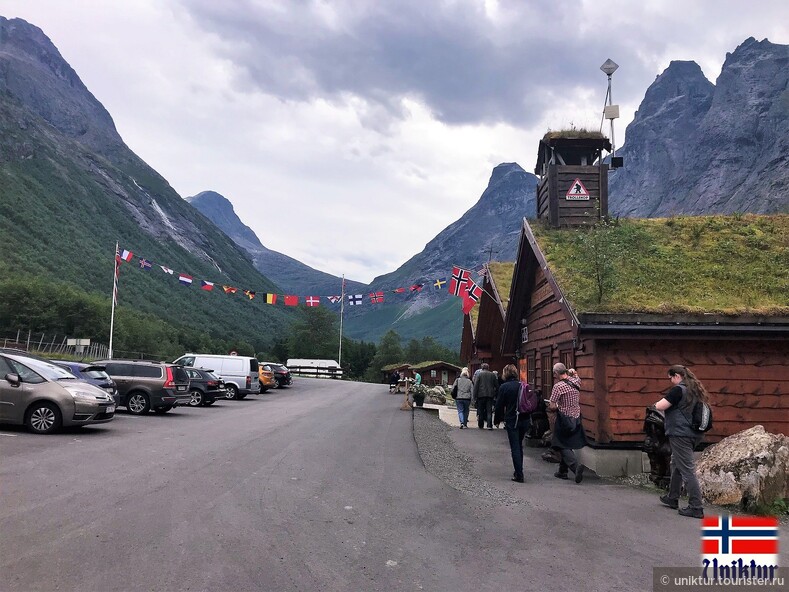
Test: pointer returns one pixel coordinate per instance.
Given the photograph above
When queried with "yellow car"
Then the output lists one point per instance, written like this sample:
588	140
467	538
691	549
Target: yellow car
267	379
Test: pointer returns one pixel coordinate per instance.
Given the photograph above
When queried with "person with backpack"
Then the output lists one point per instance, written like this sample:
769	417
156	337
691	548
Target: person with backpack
686	398
514	405
568	432
461	392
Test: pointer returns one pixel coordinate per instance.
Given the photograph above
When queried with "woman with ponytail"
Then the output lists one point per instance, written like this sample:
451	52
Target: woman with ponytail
678	407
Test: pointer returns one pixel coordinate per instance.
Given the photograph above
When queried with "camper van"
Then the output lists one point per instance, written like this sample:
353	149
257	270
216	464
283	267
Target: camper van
240	373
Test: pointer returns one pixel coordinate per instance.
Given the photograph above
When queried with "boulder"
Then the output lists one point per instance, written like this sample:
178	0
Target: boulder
436	395
748	469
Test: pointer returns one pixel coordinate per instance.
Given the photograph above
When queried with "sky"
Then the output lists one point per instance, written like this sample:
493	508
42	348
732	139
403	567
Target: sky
349	133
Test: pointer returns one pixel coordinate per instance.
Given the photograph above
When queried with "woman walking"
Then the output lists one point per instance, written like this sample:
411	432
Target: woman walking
516	424
461	392
678	406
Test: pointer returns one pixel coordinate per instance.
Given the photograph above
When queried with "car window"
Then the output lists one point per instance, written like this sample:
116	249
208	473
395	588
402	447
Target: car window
25	374
95	374
141	371
186	361
47	369
4	367
179	374
195	374
253	365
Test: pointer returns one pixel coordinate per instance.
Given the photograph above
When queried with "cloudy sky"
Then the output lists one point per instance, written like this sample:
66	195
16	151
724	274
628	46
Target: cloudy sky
348	133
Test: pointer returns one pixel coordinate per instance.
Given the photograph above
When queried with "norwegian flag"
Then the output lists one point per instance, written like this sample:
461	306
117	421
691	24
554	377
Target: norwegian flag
376	297
312	300
334	299
473	294
145	264
457	283
186	280
725	540
126	256
354	299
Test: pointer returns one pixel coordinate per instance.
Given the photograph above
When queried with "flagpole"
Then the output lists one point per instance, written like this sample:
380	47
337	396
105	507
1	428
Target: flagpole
342	307
114	297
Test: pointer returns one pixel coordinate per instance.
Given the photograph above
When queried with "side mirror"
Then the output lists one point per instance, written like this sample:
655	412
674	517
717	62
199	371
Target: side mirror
13	379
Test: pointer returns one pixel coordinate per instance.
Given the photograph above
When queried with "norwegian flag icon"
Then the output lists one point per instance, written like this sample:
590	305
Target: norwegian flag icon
376	297
739	546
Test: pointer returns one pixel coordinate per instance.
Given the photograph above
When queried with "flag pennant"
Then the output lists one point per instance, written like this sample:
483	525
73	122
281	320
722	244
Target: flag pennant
166	269
398	290
145	264
229	289
440	283
334	299
457	283
376	297
313	300
249	294
473	294
207	286
417	287
271	298
186	280
354	299
291	300
127	256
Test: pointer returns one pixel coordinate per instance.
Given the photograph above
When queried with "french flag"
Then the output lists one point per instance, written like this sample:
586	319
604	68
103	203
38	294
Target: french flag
127	256
186	280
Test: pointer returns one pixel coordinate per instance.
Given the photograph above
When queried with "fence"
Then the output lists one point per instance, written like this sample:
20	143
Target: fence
312	371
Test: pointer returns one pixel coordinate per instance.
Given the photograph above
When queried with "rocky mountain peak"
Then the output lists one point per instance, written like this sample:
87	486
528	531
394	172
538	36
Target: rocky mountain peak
219	210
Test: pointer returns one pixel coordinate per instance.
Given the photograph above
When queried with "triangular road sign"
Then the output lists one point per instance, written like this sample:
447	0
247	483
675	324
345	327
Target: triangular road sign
577	191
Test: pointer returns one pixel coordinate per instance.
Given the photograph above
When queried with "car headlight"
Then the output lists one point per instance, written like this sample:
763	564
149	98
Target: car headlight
83	396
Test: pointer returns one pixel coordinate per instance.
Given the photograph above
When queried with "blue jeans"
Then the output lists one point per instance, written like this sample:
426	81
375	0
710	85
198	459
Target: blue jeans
515	436
463	407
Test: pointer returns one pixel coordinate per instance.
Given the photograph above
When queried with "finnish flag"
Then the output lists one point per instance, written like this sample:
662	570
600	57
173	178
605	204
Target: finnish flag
354	299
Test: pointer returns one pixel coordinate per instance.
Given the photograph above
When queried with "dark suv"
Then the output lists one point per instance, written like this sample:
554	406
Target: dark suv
148	385
281	373
205	387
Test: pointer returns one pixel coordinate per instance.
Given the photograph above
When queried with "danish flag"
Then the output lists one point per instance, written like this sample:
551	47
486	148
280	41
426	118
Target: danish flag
312	301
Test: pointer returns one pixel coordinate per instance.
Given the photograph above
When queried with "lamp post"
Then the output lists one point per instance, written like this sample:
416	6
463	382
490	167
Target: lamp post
611	111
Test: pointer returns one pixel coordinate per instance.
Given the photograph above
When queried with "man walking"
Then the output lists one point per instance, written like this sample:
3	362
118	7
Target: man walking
568	433
486	385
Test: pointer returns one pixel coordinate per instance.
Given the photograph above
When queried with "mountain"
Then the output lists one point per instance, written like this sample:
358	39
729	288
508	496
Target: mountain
695	147
70	188
292	276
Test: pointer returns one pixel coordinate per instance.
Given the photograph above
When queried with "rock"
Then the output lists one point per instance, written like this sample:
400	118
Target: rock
437	396
748	469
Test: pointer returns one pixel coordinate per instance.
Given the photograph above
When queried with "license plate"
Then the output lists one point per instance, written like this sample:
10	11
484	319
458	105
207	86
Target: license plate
181	388
110	409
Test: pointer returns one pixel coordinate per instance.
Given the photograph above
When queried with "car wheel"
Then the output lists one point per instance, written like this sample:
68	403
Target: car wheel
138	404
231	392
197	398
162	410
43	418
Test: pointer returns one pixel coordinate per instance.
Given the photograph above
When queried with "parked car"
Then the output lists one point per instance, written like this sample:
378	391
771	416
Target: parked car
267	379
240	373
92	373
281	373
45	397
149	385
205	387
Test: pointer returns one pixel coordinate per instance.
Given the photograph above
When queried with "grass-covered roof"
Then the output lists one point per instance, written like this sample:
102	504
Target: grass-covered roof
575	133
423	365
712	264
501	272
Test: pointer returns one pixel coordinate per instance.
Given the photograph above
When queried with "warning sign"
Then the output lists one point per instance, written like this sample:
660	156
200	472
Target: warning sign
577	191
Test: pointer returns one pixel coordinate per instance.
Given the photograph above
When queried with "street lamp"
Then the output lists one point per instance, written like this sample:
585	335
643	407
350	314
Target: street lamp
611	111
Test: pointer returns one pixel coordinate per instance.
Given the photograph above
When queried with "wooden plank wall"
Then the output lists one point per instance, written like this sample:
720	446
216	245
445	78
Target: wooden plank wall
577	212
747	382
542	197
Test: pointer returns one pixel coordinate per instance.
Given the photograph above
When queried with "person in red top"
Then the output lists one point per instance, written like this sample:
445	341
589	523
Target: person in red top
568	433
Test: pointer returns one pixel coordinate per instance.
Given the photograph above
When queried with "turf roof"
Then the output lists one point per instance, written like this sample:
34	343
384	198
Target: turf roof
501	272
714	264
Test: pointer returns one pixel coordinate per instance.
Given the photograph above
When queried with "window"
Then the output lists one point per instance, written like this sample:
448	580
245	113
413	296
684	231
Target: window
253	365
147	372
567	357
531	368
25	374
193	374
187	361
547	373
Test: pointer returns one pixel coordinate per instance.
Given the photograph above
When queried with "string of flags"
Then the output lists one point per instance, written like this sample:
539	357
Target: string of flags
460	284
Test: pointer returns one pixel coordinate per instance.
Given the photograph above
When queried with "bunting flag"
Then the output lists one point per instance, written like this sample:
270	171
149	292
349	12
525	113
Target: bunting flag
313	300
334	299
457	284
145	264
186	280
473	294
207	286
440	283
126	256
398	290
229	289
417	287
249	294
376	297
354	299
166	269
271	298
291	300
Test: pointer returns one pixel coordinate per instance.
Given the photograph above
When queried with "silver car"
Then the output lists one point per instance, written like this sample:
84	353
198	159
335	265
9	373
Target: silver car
45	397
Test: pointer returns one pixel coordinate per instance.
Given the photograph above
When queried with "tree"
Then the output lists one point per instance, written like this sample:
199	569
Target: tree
315	336
389	351
356	357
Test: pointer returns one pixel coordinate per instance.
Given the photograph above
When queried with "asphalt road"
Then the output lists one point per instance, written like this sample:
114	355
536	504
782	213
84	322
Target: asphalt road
317	487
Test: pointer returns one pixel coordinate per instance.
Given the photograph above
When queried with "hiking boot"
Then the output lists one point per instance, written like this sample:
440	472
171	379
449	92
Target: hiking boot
517	479
673	504
560	475
579	473
691	513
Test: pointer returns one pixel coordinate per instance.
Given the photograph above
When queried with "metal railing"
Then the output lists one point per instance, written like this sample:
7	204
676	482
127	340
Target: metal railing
312	371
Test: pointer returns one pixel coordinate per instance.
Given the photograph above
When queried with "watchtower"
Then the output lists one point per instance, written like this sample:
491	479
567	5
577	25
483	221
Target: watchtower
573	186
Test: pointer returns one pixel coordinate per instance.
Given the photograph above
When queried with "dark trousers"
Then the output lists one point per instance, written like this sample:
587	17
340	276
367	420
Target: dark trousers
515	436
485	412
568	460
683	468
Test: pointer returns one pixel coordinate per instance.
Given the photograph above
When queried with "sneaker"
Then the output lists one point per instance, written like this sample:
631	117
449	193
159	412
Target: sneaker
579	473
490	427
691	513
462	426
560	475
673	504
517	479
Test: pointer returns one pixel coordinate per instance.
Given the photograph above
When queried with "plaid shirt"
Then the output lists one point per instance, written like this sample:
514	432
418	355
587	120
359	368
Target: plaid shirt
566	397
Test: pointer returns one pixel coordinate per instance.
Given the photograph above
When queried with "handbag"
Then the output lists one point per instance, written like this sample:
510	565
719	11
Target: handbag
454	390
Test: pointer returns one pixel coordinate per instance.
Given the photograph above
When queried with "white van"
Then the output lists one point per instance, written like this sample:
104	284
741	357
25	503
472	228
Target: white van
240	373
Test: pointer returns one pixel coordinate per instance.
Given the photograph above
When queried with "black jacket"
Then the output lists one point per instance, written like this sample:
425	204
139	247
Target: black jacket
507	403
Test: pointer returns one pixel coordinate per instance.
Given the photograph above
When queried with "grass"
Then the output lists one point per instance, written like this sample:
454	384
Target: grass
573	132
501	273
703	264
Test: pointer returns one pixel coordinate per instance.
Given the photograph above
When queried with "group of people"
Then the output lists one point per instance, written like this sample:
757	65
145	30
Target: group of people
496	401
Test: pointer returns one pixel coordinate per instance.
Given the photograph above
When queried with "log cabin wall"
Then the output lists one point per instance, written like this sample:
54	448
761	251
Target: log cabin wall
746	379
552	201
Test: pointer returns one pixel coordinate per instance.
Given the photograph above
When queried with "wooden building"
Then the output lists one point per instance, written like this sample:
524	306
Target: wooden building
702	292
436	373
